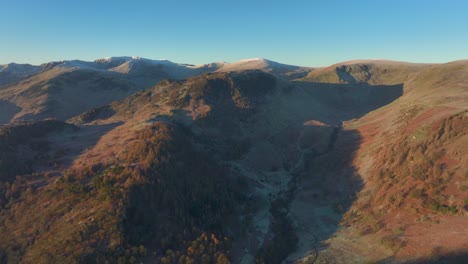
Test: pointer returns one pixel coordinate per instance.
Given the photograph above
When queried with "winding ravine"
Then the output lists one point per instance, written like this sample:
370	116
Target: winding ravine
298	170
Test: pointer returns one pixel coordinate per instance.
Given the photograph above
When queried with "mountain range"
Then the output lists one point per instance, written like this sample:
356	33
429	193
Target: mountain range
126	160
60	85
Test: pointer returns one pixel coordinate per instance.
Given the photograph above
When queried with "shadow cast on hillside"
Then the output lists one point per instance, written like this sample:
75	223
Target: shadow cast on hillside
352	100
7	111
329	183
326	189
78	142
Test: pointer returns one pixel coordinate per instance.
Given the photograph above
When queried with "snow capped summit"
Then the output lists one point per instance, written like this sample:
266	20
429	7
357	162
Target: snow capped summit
255	60
254	63
287	71
125	59
113	59
252	59
77	64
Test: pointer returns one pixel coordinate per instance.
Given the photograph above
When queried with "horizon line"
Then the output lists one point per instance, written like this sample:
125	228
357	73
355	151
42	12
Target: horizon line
349	61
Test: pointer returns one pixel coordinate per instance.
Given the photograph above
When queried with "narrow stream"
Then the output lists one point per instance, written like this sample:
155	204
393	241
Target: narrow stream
283	202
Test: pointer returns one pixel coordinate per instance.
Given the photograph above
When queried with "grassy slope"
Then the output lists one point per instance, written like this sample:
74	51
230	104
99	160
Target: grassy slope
64	93
412	159
372	72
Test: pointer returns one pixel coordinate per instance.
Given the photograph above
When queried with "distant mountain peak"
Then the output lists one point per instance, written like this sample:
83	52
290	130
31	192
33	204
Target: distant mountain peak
254	59
124	59
19	69
119	59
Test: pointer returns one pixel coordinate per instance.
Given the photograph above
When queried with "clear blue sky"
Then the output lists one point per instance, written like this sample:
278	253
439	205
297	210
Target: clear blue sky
311	33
